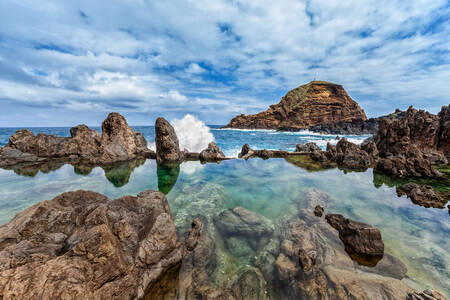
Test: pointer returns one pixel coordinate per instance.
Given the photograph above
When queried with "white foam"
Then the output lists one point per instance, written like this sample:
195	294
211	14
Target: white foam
192	133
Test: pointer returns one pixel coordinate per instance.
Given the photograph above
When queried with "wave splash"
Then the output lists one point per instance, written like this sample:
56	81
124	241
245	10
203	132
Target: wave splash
192	133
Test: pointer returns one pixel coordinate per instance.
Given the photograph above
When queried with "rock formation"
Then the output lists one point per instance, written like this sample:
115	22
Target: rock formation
247	152
212	153
167	145
118	142
81	245
357	126
444	130
305	260
425	295
308	147
314	103
362	241
423	195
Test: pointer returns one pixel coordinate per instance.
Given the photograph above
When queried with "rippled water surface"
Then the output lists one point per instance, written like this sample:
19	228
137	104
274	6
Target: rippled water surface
416	235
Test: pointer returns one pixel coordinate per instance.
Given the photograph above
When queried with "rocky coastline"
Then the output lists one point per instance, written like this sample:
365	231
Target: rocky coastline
83	245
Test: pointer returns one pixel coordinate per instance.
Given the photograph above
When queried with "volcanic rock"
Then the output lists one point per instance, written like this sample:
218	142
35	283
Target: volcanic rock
444	130
423	195
81	245
314	103
425	295
318	211
361	238
247	153
119	142
212	153
166	140
308	147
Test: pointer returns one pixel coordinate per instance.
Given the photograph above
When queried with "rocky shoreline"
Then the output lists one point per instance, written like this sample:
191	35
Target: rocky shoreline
84	245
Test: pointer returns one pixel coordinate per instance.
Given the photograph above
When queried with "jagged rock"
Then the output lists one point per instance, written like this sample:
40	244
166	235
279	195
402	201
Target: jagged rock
370	147
308	147
357	126
318	211
415	137
411	164
81	245
444	130
212	153
305	260
119	141
347	155
360	238
166	140
317	102
423	195
426	295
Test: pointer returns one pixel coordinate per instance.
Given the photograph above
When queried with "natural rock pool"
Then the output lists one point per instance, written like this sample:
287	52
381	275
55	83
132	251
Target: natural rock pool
268	193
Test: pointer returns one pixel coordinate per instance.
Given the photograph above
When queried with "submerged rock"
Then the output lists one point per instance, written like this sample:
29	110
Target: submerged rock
167	145
423	195
212	153
426	295
81	245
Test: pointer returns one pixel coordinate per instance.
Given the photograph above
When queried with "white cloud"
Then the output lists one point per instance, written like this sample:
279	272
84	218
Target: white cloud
219	57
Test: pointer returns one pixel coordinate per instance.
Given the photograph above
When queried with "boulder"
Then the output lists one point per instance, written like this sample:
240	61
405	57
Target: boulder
212	153
84	141
351	156
360	238
167	145
425	295
119	141
82	245
308	147
423	195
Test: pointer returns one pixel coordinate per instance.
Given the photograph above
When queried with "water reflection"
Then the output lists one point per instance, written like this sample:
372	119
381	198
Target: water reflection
167	176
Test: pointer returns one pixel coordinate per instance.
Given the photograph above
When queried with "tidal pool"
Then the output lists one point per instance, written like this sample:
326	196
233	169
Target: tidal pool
418	236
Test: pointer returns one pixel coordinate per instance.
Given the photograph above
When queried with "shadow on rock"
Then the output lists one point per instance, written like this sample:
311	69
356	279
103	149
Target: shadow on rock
167	176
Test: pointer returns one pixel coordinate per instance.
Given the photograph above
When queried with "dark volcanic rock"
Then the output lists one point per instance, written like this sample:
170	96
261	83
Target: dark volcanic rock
351	156
318	211
357	126
212	153
317	102
360	238
81	245
423	195
247	153
308	147
166	140
444	130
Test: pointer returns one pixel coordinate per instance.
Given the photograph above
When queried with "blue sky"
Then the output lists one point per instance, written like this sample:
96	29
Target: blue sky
68	62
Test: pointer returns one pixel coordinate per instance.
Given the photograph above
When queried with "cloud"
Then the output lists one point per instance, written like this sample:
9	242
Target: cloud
217	58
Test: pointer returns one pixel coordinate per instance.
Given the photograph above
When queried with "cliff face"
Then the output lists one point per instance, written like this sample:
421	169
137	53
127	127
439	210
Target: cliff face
314	103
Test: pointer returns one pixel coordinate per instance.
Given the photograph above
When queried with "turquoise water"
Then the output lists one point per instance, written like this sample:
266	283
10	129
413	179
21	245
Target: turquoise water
418	236
230	141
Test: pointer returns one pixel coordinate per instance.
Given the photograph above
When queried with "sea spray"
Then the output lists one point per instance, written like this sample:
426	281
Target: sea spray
192	133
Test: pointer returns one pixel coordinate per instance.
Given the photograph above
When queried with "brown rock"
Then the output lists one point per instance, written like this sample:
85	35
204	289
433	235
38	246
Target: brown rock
308	147
81	245
212	153
119	141
166	140
361	238
426	295
423	195
444	130
318	211
84	141
317	102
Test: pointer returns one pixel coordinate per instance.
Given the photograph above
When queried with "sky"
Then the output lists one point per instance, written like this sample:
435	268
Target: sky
63	63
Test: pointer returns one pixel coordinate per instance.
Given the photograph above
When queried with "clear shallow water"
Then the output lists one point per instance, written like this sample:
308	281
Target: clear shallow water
229	140
416	235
